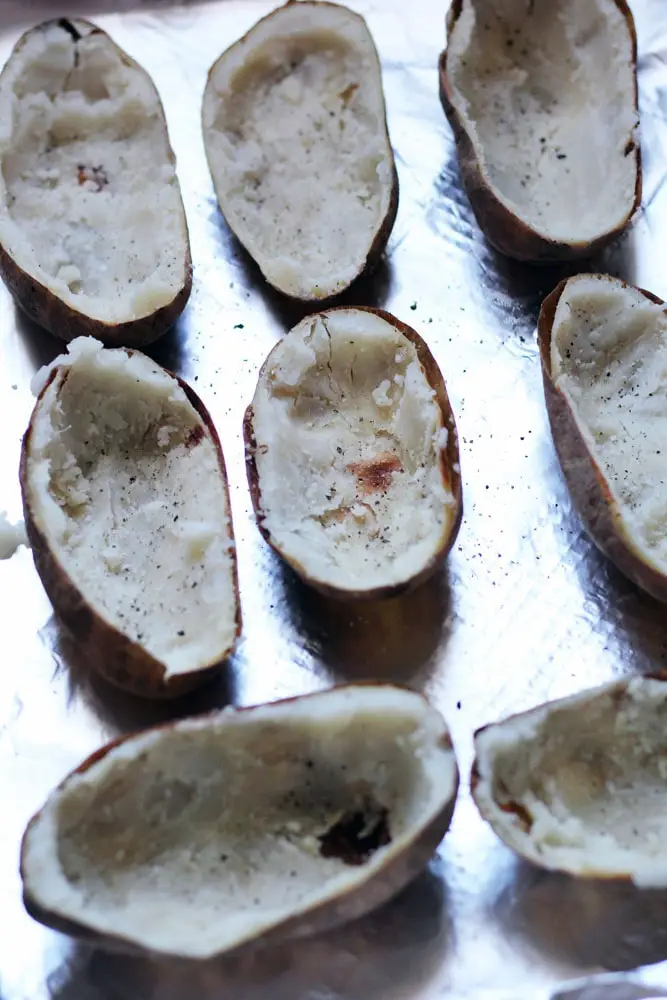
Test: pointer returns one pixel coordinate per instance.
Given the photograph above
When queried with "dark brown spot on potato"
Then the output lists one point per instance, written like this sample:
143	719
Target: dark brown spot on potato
70	28
374	474
92	175
347	94
520	812
194	436
357	834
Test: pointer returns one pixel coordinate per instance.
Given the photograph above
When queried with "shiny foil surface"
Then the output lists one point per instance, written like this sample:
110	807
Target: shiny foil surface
526	610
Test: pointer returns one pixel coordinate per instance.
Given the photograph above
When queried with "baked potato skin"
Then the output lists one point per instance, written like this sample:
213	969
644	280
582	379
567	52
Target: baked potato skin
588	487
450	464
121	661
505	231
348	906
383	232
49	311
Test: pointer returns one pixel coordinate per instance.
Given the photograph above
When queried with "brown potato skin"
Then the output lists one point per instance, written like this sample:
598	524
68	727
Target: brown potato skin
48	310
348	906
120	660
383	231
588	487
450	462
502	228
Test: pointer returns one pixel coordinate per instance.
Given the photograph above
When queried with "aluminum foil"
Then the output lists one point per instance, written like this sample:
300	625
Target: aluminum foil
527	609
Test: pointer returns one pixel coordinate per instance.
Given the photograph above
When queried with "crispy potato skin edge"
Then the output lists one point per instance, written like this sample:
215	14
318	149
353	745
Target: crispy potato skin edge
450	462
382	886
120	660
49	311
386	225
590	492
503	229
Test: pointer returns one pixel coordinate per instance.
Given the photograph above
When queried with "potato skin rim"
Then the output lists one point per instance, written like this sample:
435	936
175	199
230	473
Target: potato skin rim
394	875
384	229
591	494
45	307
504	230
449	463
121	661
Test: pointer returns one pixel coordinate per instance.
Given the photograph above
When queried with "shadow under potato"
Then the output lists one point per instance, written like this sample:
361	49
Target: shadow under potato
504	285
393	640
633	622
42	346
588	923
124	712
372	288
386	954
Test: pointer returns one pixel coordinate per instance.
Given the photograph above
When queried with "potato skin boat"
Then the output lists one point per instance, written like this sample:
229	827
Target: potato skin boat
506	232
376	248
590	492
347	905
450	465
44	306
120	660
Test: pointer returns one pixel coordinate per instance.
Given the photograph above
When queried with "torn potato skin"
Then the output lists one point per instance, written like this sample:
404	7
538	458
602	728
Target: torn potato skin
503	228
361	830
357	834
373	476
590	492
120	660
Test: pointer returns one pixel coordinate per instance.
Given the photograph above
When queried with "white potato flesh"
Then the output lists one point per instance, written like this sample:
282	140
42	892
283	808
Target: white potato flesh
546	89
609	358
349	451
11	536
589	773
195	838
89	200
123	480
294	128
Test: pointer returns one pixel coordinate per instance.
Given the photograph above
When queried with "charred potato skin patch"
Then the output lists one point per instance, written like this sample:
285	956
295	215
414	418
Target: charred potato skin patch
349	905
504	230
449	463
119	660
589	489
47	309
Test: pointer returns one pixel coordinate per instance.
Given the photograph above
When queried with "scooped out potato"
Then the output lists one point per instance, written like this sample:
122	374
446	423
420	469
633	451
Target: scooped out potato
542	98
579	785
269	822
297	145
93	235
127	511
352	454
604	349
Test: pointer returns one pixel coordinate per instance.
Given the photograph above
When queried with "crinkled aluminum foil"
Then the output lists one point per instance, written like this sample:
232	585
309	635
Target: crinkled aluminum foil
528	610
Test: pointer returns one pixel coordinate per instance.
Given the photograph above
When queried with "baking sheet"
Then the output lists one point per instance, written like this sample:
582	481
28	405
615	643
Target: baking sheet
526	611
